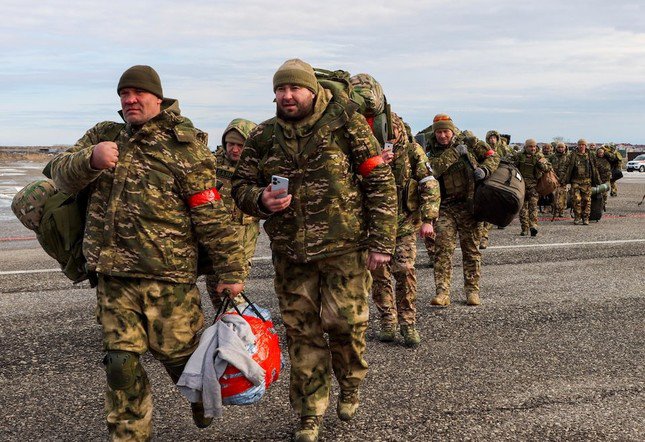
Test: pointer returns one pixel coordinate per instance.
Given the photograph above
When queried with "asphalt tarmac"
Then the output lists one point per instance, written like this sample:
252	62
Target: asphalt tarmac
555	352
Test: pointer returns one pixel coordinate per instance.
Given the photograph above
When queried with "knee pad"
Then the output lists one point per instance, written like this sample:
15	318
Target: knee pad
121	368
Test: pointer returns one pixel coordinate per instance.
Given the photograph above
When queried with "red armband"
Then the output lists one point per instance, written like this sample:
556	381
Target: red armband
490	153
366	167
370	121
203	197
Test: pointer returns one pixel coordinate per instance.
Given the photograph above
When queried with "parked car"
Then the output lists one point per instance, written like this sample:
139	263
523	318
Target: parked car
637	163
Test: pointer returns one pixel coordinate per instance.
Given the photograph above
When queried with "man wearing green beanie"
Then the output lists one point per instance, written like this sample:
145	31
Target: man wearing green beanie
152	199
326	233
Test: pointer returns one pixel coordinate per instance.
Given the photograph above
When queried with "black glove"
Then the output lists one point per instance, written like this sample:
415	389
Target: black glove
479	174
462	149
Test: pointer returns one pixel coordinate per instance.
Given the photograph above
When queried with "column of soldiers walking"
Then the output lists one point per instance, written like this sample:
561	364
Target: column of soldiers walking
361	188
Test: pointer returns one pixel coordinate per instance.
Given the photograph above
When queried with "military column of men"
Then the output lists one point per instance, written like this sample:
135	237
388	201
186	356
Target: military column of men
158	197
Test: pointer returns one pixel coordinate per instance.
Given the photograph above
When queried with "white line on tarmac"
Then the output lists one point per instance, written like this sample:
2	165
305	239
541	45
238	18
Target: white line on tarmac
518	246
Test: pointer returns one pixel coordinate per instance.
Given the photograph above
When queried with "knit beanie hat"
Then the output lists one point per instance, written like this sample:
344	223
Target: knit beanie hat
296	71
443	121
582	141
141	77
233	136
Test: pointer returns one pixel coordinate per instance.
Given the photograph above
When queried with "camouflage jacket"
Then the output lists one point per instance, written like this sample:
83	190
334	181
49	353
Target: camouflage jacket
417	189
604	168
332	211
560	162
454	173
139	223
582	169
501	147
225	169
531	167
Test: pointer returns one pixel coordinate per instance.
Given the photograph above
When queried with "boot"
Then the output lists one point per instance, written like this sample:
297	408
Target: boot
576	221
585	221
533	231
442	300
347	404
524	232
410	335
387	332
309	428
473	299
483	243
199	419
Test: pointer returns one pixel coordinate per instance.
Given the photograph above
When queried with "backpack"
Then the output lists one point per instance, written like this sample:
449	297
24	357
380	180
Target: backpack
547	183
500	197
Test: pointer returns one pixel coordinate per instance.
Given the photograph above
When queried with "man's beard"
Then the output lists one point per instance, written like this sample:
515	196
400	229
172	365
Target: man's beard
299	115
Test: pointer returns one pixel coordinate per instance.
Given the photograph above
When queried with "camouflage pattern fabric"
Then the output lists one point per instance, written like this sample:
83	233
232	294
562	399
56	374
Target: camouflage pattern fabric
414	181
456	219
28	204
403	310
581	200
604	169
330	214
137	315
531	167
529	210
328	295
582	169
560	200
246	227
501	146
429	242
139	224
484	230
371	92
560	163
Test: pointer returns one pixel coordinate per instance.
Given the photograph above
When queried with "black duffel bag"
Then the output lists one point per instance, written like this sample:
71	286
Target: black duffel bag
499	198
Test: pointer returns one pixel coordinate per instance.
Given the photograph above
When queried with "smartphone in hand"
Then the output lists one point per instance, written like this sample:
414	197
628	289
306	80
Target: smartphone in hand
280	183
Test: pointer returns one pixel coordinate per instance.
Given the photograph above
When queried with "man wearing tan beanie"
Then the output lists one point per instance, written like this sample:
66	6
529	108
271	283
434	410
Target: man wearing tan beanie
326	233
582	174
453	155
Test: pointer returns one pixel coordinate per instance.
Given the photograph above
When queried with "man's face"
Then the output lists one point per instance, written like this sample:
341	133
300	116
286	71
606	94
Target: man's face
139	106
582	148
294	102
560	148
600	152
530	148
443	136
492	140
233	151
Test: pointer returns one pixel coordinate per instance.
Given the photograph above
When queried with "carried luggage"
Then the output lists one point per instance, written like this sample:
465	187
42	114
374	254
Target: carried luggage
500	197
236	389
596	207
547	183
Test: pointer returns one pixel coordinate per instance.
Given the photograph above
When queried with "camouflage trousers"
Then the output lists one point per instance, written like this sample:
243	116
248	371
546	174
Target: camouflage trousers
249	234
529	210
402	268
329	295
137	315
456	220
614	188
581	199
429	242
560	200
484	229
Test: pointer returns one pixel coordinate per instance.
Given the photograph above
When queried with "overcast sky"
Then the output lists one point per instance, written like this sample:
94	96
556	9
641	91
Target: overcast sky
540	69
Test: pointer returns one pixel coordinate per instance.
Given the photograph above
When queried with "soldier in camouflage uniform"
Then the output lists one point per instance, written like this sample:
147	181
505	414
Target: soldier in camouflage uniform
603	162
547	150
531	164
418	207
457	162
582	173
326	233
616	160
498	144
152	200
559	161
246	227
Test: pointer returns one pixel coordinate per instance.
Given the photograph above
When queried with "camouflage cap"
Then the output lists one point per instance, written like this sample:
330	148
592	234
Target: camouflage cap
297	72
237	126
29	202
443	121
371	91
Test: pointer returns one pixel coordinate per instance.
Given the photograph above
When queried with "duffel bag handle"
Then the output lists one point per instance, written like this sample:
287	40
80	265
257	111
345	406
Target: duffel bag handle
224	305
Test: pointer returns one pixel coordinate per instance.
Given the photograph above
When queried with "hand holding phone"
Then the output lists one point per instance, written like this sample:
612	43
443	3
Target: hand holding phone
280	183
